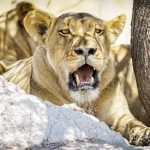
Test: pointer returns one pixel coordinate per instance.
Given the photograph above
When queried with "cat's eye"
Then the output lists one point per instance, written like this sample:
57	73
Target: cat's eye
99	31
64	31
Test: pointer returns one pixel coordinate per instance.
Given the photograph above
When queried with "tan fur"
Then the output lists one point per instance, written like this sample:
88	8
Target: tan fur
20	45
124	69
7	52
55	59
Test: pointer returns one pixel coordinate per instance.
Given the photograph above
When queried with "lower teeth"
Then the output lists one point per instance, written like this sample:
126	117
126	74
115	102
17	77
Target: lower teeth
90	81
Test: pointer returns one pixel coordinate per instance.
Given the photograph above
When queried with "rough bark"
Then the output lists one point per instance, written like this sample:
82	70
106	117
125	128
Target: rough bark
140	49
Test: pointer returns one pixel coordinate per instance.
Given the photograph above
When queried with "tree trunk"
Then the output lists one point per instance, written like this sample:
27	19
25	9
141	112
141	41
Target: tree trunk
140	49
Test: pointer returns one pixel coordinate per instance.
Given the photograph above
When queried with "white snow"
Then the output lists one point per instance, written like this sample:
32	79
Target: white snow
27	121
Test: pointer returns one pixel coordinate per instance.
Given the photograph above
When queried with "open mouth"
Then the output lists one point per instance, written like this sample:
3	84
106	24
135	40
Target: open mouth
84	78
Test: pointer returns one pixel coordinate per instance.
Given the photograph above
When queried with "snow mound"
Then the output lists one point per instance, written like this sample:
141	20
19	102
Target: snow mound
28	122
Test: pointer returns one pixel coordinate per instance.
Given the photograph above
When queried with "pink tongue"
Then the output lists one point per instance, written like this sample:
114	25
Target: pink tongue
84	73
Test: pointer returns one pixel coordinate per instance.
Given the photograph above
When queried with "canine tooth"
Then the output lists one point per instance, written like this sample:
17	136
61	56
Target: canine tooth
94	69
91	80
77	79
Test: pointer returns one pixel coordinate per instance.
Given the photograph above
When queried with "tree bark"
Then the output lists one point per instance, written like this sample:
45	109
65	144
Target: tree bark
140	49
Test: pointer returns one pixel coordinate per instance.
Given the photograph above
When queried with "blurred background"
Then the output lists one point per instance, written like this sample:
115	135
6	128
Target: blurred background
105	9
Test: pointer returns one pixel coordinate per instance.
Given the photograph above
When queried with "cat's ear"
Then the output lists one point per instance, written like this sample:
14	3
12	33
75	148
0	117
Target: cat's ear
38	24
114	27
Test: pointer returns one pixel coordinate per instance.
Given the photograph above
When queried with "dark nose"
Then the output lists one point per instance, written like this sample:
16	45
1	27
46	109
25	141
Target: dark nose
85	51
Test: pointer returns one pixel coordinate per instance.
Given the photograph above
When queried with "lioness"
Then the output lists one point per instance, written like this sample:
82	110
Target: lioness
73	64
